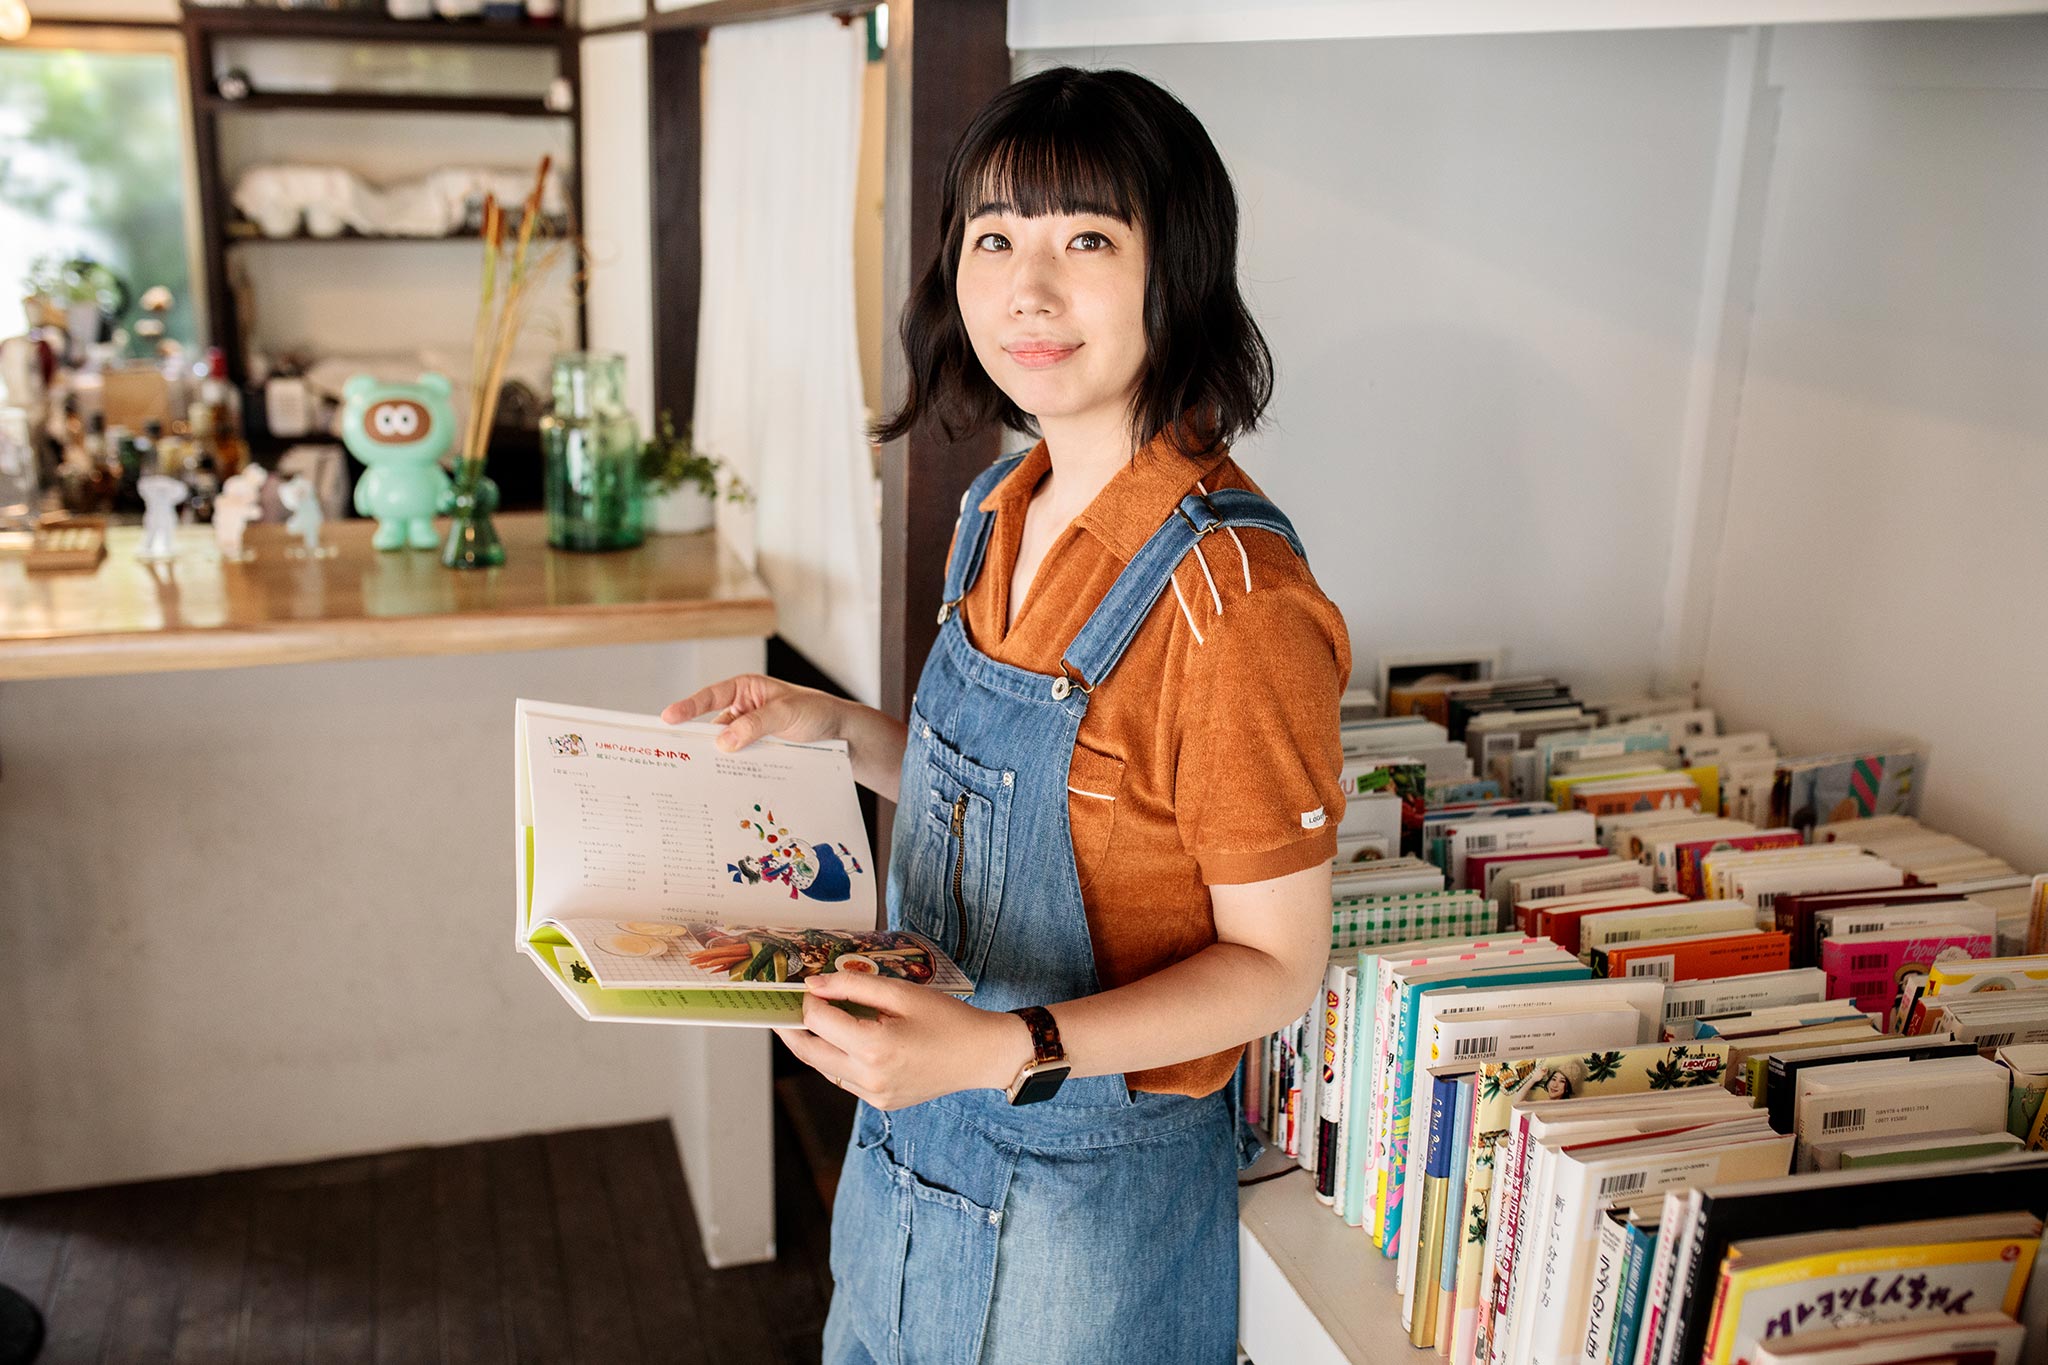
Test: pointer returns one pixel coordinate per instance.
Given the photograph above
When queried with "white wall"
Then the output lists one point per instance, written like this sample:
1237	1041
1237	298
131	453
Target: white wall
1477	261
618	227
1886	554
266	914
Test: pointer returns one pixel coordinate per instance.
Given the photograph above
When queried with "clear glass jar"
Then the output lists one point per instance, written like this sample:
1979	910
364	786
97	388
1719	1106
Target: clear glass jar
591	451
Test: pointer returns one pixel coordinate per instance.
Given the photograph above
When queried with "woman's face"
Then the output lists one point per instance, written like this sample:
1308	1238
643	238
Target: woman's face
1055	308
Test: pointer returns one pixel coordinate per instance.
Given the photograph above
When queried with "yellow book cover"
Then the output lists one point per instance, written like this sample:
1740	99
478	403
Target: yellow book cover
1705	776
1759	1304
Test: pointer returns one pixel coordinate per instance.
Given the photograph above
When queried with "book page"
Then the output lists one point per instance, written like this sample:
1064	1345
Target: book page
639	954
639	821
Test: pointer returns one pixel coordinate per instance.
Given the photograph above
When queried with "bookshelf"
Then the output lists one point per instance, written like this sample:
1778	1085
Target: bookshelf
1311	1290
206	28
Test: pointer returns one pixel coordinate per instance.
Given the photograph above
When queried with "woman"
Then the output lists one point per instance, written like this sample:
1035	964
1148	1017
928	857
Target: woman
1117	794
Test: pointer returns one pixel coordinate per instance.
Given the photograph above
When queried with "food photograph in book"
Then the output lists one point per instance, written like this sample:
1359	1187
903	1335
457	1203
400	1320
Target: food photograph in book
681	955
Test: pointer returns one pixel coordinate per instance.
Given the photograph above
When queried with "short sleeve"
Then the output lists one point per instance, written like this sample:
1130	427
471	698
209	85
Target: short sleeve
1256	792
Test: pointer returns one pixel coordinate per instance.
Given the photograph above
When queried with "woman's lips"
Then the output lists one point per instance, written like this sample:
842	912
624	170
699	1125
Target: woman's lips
1039	357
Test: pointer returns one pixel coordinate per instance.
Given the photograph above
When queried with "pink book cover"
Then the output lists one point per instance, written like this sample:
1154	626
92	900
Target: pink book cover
1479	864
1687	855
1865	969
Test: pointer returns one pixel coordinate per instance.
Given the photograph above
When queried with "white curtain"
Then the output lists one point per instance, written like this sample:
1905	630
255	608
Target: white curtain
778	366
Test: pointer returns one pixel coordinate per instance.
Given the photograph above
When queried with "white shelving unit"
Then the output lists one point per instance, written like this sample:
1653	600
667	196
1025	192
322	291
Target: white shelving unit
1092	23
1311	1290
1809	226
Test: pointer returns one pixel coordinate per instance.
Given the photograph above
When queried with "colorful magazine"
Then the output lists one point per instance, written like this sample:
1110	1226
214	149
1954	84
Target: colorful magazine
662	880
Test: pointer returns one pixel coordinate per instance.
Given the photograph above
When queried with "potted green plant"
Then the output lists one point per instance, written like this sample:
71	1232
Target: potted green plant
683	482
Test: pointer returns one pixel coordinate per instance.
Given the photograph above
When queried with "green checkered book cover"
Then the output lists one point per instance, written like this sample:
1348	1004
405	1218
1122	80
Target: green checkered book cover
1361	921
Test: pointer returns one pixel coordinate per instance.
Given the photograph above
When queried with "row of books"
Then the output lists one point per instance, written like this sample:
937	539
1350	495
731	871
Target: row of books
1551	1025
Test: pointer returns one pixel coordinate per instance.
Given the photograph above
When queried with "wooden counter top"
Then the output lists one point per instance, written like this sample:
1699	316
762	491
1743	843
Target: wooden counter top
199	612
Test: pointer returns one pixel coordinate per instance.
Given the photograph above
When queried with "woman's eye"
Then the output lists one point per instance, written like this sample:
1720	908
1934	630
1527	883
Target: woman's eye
991	241
1091	241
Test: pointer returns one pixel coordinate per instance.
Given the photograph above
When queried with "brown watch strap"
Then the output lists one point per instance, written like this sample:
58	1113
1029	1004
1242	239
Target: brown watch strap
1045	1034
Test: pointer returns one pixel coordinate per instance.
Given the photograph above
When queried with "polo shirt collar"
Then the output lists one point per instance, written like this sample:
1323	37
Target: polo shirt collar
1130	507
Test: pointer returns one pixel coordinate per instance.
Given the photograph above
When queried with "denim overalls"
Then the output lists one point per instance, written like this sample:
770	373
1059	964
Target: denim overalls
1099	1226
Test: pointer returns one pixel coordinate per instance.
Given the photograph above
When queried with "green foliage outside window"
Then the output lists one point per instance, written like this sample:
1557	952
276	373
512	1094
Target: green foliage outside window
92	157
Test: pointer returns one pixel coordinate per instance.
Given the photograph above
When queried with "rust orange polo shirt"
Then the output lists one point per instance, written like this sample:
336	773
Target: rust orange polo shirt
1210	754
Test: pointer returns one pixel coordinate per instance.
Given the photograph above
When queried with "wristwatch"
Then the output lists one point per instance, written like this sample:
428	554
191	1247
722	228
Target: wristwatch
1041	1077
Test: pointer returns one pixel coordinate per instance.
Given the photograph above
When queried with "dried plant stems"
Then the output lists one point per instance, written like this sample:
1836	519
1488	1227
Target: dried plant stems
501	316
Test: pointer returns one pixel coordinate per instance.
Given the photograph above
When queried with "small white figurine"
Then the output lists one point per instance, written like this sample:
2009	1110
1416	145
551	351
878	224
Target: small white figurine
302	500
240	502
161	495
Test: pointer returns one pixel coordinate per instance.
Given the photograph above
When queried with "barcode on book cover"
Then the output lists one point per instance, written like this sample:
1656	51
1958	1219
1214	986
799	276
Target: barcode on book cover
1630	1182
1834	1120
1865	928
1625	936
1684	1009
1662	968
1464	1048
1867	962
1481	843
1995	1039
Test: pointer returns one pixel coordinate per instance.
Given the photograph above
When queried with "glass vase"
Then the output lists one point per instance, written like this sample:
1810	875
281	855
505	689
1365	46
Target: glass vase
590	450
472	538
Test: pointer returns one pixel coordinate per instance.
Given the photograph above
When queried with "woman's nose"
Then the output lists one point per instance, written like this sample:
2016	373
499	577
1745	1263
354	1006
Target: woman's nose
1034	286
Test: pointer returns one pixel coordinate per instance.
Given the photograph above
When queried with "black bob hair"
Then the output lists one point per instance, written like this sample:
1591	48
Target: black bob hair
1113	143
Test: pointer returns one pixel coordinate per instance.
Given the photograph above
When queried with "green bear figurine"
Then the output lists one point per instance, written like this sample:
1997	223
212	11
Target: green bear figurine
400	432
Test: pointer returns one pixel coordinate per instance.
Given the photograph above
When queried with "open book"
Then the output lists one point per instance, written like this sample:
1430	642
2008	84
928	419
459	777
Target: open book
664	881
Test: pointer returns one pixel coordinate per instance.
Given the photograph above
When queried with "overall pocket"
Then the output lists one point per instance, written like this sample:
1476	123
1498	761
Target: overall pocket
899	1228
954	893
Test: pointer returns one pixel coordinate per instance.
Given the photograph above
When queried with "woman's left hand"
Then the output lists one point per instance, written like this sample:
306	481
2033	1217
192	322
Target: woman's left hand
924	1044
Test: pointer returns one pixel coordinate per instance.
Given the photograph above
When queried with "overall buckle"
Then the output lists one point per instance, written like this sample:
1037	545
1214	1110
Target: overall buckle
1207	507
1064	685
946	609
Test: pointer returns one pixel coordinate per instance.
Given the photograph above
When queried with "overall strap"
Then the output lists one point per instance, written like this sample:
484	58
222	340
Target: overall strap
971	541
1114	624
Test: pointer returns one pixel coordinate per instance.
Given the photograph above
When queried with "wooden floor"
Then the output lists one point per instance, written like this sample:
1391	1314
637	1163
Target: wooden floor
569	1247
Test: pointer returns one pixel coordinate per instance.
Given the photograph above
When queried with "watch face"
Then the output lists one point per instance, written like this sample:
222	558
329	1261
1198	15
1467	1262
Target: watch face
1042	1084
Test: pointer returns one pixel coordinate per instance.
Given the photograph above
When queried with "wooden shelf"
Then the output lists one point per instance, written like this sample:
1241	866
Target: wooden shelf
507	106
258	239
198	612
242	21
1312	1290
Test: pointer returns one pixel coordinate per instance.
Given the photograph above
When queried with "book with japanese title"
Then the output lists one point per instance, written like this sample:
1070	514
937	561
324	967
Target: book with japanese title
1526	1231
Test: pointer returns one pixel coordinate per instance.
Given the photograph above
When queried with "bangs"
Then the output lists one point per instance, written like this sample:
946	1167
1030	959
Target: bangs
1048	168
1113	144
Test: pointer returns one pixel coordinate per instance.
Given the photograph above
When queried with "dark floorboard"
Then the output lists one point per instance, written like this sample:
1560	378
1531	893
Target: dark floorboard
557	1249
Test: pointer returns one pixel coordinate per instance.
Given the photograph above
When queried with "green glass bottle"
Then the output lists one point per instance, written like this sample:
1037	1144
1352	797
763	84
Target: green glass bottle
591	449
472	536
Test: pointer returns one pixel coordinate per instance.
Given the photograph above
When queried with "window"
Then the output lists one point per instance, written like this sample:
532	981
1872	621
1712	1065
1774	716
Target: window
94	162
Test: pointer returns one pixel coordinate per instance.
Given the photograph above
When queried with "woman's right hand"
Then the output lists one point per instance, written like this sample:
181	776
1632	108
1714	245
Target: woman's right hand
755	705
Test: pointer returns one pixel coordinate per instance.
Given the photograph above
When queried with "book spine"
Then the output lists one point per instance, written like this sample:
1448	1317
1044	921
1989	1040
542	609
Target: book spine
1418	1305
1382	1083
1357	1105
1679	1301
1454	1208
1340	1179
1657	1296
1329	1022
1635	1284
1289	1085
1507	1193
1307	1123
1608	1256
1400	1117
